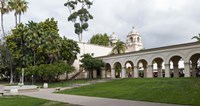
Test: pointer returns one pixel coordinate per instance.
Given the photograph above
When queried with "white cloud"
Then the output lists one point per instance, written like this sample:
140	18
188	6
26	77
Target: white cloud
160	22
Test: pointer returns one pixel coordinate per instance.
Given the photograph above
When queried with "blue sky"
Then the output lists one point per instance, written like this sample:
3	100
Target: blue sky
160	22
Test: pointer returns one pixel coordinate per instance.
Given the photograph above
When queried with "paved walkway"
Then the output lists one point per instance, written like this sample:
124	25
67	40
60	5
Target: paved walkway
88	101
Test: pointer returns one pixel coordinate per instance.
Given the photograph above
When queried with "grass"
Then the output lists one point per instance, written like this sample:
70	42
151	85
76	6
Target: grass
28	101
164	90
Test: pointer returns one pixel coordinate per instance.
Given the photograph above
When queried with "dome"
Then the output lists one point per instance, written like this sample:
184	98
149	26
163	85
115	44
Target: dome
113	36
134	32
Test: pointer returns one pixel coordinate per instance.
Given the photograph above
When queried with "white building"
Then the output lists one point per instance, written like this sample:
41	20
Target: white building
134	43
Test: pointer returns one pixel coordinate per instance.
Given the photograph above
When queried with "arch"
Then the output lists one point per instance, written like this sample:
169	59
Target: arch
107	70
157	56
191	53
131	39
142	67
120	60
142	58
177	71
174	54
118	69
129	67
138	39
157	64
195	65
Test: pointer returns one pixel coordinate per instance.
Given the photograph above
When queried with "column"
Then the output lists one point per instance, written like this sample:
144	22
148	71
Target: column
194	66
150	71
145	71
123	72
159	68
132	69
103	73
94	73
135	72
187	69
176	70
167	70
113	73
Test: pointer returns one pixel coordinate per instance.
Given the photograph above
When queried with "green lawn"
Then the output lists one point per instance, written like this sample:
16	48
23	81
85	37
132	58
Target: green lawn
28	101
164	90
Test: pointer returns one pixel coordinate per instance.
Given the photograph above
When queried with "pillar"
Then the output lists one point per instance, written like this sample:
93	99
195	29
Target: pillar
187	69
194	66
94	73
132	69
167	70
123	72
159	68
113	73
145	71
135	72
103	73
150	71
176	70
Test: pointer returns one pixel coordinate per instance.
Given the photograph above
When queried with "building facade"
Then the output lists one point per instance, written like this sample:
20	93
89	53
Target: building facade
142	62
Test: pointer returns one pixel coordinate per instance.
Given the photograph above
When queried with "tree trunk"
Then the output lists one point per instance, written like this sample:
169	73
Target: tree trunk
11	73
79	38
2	26
19	19
66	77
15	20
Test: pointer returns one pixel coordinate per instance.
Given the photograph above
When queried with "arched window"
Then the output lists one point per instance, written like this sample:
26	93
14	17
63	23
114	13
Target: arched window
138	38
131	39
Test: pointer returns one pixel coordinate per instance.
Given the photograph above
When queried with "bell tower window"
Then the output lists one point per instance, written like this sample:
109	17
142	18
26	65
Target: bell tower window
138	39
131	39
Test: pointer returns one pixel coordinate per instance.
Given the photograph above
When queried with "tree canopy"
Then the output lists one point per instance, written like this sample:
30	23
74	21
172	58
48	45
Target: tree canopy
90	63
119	47
34	44
100	39
197	37
79	15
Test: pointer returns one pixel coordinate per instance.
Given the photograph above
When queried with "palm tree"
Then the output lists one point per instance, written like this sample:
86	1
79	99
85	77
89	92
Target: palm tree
119	47
19	7
197	37
4	10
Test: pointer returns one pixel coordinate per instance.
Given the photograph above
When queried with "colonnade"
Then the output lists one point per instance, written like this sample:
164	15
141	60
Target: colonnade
141	63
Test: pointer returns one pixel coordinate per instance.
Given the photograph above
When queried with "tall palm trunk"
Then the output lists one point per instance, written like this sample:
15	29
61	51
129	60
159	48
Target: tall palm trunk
19	19
2	26
16	20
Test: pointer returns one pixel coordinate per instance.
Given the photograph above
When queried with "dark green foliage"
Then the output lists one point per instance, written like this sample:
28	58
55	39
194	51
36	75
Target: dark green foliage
119	48
39	43
90	63
69	50
100	39
79	17
197	37
49	72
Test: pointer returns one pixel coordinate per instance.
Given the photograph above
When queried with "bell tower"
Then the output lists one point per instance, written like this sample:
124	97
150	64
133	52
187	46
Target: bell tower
113	39
134	41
